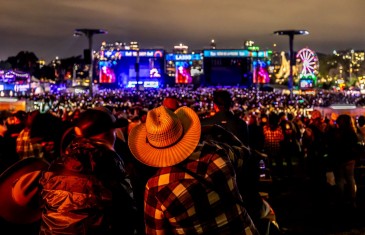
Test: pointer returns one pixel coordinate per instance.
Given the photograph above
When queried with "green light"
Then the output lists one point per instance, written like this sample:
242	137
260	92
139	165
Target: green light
253	48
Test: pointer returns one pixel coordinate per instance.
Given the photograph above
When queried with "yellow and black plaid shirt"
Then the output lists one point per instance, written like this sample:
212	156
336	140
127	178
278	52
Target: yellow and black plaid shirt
25	148
177	203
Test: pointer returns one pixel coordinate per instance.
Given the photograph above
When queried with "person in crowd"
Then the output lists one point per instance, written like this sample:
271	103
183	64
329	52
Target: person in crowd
361	138
273	137
134	121
248	174
46	130
16	124
290	146
194	190
24	146
87	190
361	128
361	124
255	131
314	146
222	103
171	103
332	120
282	118
8	155
294	120
342	147
142	115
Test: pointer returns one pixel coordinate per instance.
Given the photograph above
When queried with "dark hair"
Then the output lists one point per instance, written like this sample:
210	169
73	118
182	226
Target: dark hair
46	126
21	115
222	98
282	114
96	121
345	122
273	119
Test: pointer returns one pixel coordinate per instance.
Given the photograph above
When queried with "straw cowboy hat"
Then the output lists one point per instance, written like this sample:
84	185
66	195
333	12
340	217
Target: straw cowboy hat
167	138
19	189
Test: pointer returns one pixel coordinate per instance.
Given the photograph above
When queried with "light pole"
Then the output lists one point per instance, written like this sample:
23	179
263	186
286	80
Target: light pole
89	33
291	34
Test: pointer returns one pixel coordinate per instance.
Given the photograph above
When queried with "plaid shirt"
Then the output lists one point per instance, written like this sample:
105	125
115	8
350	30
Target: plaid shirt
273	139
176	202
25	148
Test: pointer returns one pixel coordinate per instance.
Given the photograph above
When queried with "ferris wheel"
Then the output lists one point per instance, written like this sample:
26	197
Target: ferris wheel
307	62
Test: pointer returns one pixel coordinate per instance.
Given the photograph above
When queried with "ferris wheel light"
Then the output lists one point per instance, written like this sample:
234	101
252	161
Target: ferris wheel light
308	60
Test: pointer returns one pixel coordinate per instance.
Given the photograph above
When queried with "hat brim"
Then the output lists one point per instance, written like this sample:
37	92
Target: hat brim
164	157
10	210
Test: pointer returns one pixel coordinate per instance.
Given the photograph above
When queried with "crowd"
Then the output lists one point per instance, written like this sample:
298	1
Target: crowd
200	99
174	160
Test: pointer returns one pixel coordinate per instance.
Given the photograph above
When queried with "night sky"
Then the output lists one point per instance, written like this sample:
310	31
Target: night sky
46	27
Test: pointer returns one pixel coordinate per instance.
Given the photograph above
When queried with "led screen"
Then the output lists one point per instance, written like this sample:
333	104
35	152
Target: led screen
125	66
260	73
183	72
106	73
226	71
306	83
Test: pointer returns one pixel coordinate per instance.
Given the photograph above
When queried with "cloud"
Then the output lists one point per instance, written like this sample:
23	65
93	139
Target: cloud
42	25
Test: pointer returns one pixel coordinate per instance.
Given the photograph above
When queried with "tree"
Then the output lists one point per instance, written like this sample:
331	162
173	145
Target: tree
5	65
24	61
67	66
46	73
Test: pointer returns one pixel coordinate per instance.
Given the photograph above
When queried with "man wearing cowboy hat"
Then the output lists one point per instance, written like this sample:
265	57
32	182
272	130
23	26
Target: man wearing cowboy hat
194	190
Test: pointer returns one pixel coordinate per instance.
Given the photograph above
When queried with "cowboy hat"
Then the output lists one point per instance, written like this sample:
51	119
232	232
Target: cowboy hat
167	138
19	191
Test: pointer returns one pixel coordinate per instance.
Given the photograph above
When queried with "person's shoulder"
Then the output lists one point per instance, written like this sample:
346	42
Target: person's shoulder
160	178
209	121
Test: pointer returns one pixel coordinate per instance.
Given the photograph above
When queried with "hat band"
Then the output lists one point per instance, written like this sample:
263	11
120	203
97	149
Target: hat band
167	146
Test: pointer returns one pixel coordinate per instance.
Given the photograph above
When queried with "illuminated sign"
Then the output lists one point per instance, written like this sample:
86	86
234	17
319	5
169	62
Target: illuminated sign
177	57
236	53
132	53
152	84
24	87
253	48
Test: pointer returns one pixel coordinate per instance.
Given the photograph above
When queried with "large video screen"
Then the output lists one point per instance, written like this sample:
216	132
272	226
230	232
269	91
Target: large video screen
125	67
184	68
260	72
226	71
235	67
183	74
106	72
